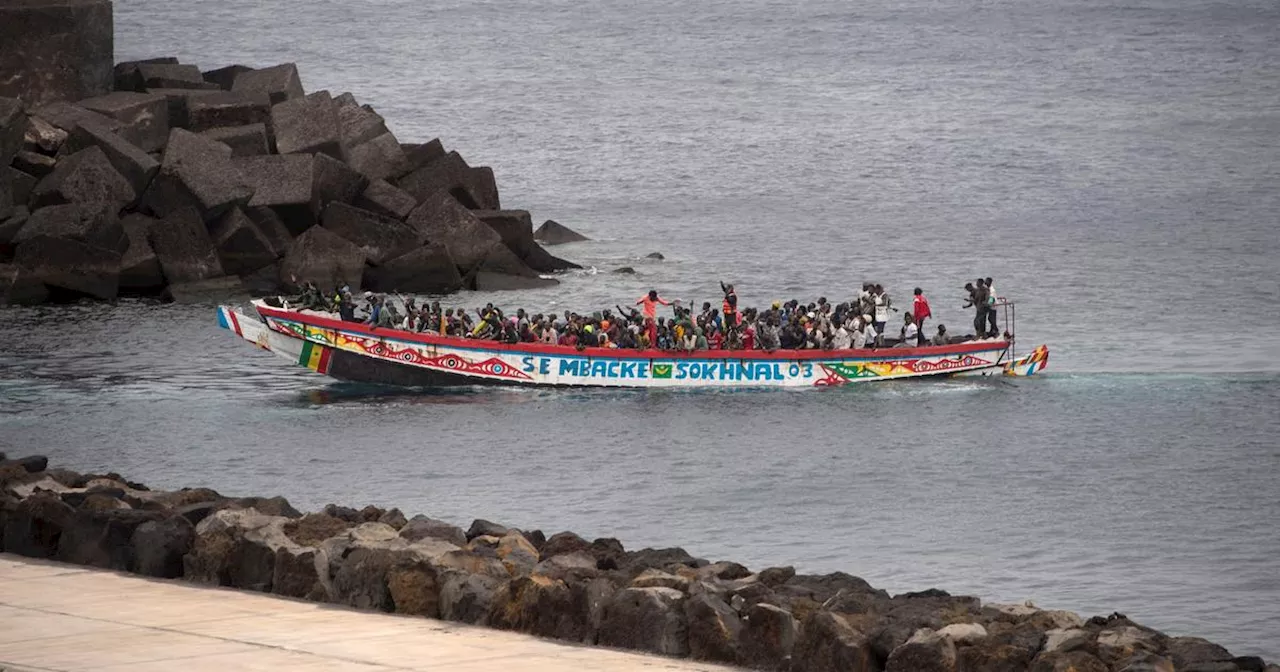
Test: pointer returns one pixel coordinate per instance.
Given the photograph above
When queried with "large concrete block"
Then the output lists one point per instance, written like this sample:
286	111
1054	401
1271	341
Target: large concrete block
55	49
137	166
272	228
70	266
183	247
335	182
380	158
228	108
84	177
172	76
6	198
127	77
308	125
248	140
485	187
322	257
94	224
196	171
516	229
380	238
139	269
225	77
23	184
442	219
241	246
42	136
449	174
67	116
420	155
384	199
19	288
33	163
180	103
359	123
284	183
13	127
427	270
143	117
9	229
554	233
280	82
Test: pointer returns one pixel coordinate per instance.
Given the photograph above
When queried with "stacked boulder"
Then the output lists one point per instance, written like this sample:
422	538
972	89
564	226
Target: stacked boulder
185	183
563	587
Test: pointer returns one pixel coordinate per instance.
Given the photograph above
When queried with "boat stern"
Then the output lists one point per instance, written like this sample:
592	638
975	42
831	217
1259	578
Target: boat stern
1029	365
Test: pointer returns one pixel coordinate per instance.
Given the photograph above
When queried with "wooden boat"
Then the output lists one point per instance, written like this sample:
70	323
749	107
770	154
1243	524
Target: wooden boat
358	352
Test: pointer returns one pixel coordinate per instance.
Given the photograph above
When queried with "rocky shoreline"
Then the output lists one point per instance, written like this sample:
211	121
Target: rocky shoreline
561	586
155	178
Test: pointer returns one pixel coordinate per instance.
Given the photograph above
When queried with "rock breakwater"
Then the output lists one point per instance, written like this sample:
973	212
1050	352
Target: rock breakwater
561	586
198	185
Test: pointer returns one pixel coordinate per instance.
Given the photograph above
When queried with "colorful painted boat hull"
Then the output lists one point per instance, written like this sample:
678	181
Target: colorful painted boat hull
357	352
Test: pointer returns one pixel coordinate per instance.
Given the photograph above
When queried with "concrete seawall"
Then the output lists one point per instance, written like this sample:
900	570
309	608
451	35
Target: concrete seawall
63	617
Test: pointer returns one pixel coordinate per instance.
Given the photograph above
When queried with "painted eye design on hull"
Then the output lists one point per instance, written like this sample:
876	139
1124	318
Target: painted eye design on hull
492	367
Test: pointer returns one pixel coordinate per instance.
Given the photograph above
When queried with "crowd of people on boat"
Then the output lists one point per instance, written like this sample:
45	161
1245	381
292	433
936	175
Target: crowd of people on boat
864	321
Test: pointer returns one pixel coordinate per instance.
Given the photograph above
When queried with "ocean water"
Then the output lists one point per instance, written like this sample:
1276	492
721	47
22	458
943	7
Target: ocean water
1115	166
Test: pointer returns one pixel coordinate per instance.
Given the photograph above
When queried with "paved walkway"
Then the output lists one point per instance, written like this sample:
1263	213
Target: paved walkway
65	618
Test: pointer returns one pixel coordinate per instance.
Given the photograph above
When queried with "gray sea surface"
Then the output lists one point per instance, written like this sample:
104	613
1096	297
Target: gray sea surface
1114	165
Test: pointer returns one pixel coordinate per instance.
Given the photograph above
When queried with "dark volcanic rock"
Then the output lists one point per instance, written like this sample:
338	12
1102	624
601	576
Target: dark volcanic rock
427	270
279	82
545	607
135	165
380	197
322	257
199	172
84	177
646	619
95	224
221	109
242	248
102	538
70	265
55	49
308	125
139	268
171	76
931	653
422	527
768	636
143	117
335	182
380	238
35	526
554	233
283	183
484	528
225	77
467	598
828	643
251	140
179	103
562	543
159	545
715	629
379	158
183	248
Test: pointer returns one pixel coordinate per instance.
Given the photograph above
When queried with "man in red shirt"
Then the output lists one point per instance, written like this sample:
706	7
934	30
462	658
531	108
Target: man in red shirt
920	309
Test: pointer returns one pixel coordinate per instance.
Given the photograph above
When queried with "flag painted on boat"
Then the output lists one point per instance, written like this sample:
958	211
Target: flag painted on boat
315	357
